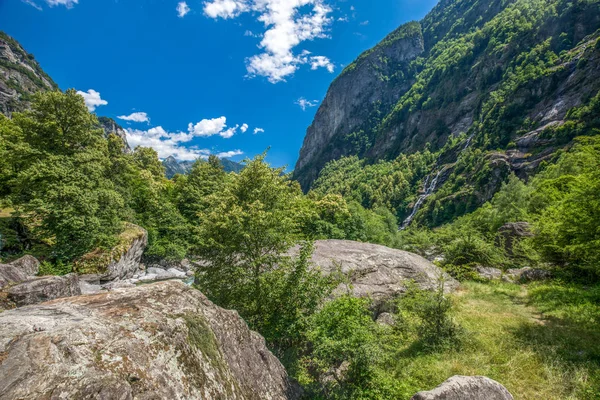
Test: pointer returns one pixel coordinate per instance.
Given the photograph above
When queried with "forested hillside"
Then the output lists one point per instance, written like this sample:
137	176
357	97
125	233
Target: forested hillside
489	88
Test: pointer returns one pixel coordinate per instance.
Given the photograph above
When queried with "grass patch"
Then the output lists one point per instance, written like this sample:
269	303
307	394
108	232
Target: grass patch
510	341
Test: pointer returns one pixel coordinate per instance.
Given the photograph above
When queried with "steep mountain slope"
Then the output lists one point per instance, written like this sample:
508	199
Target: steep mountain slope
20	76
111	127
497	71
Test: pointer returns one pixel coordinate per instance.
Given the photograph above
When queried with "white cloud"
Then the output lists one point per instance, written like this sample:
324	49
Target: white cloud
244	128
304	104
321	62
135	117
92	99
66	3
225	8
258	130
182	9
364	23
32	4
228	154
208	127
226	134
169	144
286	27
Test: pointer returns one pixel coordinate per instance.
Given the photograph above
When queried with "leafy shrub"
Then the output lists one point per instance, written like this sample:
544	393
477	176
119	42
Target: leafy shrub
55	268
429	314
342	336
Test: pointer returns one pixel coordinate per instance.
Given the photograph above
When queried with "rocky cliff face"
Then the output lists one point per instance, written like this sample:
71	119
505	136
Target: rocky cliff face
356	100
160	341
110	127
467	68
20	76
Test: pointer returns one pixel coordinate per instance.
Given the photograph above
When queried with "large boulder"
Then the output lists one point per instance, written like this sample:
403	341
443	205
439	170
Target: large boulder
38	290
10	274
466	388
159	341
28	264
378	271
121	262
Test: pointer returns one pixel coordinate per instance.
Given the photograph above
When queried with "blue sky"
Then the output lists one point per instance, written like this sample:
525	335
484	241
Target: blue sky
206	74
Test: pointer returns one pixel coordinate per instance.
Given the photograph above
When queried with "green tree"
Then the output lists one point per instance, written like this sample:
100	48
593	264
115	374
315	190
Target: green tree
64	191
193	190
244	230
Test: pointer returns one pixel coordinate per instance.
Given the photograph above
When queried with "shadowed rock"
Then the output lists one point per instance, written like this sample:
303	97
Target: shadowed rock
10	274
509	234
466	388
45	288
160	341
527	274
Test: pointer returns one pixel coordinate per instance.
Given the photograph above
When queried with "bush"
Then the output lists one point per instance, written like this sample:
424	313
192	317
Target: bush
428	313
345	349
57	268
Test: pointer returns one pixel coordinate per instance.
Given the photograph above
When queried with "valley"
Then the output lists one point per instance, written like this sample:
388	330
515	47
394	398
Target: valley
437	239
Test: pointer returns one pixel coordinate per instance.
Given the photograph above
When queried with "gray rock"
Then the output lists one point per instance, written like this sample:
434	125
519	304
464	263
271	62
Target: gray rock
378	271
527	274
509	234
28	264
88	288
386	319
160	341
10	274
466	388
43	289
129	262
488	272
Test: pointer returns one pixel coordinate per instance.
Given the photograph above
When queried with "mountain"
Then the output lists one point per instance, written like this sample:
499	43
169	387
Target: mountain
109	126
498	78
173	167
20	76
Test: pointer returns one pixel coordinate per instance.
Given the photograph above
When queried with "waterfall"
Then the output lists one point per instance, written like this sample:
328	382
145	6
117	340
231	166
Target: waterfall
429	189
468	142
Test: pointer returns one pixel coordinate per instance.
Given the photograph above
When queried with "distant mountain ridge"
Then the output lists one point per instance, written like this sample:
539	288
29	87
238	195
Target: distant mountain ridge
174	167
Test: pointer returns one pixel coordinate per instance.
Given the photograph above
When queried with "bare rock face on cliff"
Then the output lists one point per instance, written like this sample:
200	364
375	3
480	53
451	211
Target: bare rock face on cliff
110	127
160	341
378	271
20	76
355	100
